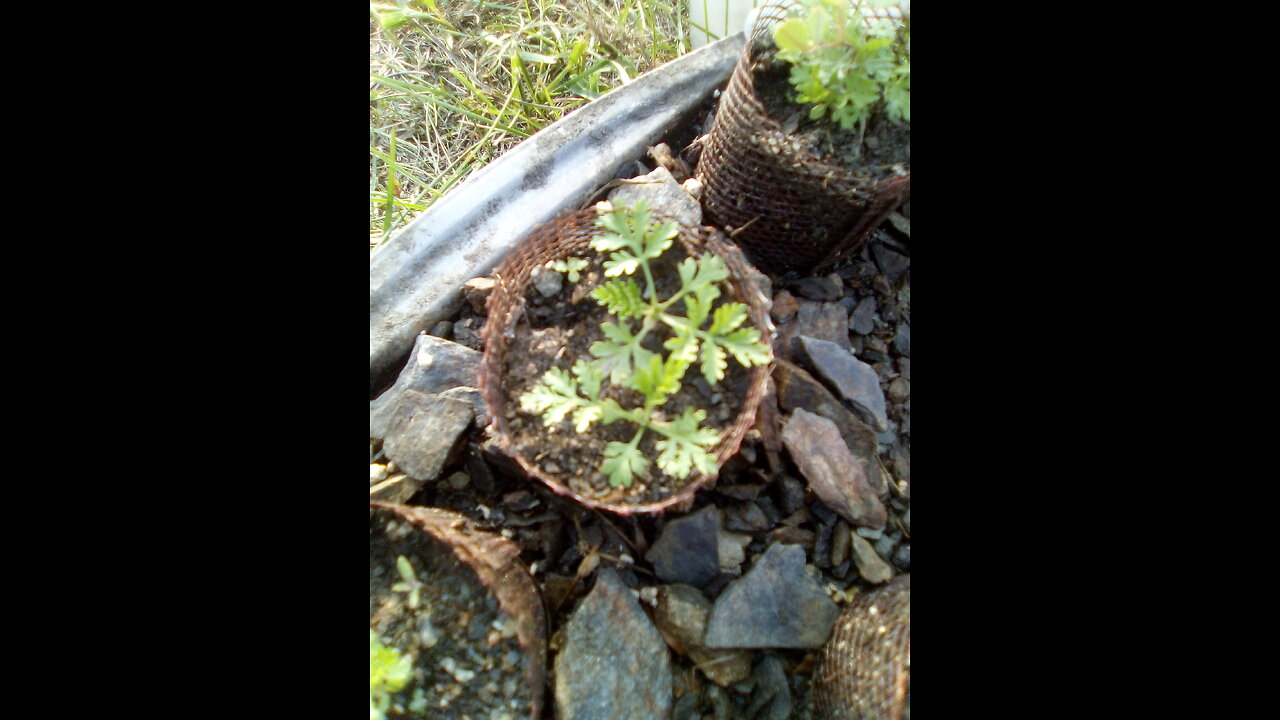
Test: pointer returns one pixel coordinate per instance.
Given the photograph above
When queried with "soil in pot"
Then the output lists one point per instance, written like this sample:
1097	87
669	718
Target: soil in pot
467	657
557	328
880	151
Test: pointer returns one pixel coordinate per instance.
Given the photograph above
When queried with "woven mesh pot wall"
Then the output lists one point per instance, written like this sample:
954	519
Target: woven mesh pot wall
570	235
864	672
787	208
496	562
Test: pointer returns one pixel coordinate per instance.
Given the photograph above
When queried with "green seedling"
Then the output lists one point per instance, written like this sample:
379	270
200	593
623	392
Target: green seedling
705	334
409	582
571	267
844	65
389	672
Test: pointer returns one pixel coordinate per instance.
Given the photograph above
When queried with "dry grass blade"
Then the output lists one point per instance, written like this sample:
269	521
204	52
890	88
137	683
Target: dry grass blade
460	82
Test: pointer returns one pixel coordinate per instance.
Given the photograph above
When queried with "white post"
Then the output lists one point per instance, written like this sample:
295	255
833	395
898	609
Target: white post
721	17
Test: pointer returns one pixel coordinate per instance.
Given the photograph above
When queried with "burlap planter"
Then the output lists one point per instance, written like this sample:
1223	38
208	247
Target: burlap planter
789	209
570	235
864	672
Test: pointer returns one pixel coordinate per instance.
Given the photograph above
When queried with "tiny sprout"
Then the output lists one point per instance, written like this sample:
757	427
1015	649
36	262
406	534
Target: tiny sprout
410	583
571	267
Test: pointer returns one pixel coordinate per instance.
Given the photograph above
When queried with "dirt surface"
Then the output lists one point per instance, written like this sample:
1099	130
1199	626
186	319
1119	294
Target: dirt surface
555	331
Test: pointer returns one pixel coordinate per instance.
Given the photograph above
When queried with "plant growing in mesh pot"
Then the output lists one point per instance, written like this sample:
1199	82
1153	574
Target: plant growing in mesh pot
625	356
811	144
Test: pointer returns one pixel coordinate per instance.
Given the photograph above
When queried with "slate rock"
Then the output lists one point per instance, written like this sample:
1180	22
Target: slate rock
425	432
863	318
776	603
834	475
825	289
435	365
746	517
732	548
853	380
893	264
798	389
902	339
870	565
688	550
613	663
823	320
681	614
771	697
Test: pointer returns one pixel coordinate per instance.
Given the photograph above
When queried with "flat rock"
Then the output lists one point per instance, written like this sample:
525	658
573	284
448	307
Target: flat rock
798	389
613	663
688	550
424	432
834	474
435	365
853	380
681	615
902	339
665	196
777	604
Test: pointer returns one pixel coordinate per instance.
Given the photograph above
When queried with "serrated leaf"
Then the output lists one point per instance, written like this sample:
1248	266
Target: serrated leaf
584	416
686	445
713	362
589	377
620	298
656	379
746	347
727	318
622	463
619	355
554	397
792	36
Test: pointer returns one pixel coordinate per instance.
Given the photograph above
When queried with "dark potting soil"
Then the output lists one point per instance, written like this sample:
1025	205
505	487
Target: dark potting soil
554	332
883	150
467	658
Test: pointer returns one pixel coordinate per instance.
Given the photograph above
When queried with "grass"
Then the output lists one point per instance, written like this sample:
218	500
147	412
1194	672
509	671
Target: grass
453	84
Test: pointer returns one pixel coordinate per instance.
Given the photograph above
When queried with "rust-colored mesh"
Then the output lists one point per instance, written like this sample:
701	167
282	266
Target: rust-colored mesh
496	562
865	669
786	207
568	235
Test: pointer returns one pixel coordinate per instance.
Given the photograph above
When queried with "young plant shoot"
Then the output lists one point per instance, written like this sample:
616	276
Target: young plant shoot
844	66
389	671
704	333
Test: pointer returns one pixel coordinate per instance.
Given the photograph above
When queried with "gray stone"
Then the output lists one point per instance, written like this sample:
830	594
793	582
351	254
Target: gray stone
823	289
863	318
771	697
901	223
425	432
476	291
870	566
746	517
902	339
798	389
732	548
681	615
899	390
825	321
613	664
665	196
790	494
777	603
834	474
784	307
546	282
902	557
435	366
853	380
893	264
688	550
840	544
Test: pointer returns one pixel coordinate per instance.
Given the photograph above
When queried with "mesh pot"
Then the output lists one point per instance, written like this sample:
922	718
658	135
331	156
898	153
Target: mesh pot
788	208
496	563
865	669
570	235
